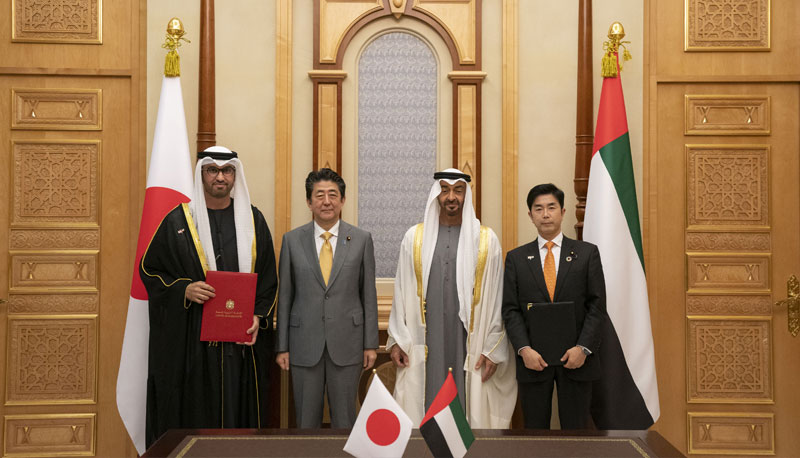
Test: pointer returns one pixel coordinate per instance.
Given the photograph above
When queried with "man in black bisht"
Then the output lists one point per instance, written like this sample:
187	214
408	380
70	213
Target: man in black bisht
194	384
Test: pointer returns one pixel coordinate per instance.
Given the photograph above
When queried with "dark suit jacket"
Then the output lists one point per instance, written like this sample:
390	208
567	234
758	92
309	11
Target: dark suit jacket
342	315
579	280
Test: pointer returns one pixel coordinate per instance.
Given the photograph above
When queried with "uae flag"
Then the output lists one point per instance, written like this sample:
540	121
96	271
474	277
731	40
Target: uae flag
626	396
444	427
382	428
169	183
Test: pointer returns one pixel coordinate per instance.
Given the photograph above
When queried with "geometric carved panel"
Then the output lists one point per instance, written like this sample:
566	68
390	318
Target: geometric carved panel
51	360
728	241
50	435
56	109
727	25
728	274
45	271
57	21
40	239
56	182
729	360
53	303
727	185
727	115
731	433
728	305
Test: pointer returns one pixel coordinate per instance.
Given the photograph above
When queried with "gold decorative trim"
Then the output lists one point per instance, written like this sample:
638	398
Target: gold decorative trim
89	421
327	74
96	40
754	117
459	75
764	45
86	106
510	133
91	361
767	420
283	121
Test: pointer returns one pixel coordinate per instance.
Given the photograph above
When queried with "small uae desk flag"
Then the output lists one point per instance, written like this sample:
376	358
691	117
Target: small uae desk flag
445	428
382	428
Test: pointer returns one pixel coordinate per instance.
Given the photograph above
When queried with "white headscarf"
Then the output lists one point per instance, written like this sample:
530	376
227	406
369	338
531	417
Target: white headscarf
468	240
242	214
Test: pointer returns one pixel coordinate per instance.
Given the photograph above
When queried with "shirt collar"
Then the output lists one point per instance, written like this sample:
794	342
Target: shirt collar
318	231
557	240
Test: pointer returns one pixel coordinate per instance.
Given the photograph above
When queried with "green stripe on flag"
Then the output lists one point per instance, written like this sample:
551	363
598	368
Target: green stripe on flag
616	156
461	422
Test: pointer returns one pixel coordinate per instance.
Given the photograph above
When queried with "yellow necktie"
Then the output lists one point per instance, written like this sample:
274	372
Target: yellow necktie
326	257
549	270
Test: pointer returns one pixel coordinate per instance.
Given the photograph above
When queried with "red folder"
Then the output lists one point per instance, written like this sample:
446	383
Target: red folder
228	315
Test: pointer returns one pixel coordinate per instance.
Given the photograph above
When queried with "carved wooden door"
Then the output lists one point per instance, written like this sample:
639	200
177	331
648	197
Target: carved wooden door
71	162
726	240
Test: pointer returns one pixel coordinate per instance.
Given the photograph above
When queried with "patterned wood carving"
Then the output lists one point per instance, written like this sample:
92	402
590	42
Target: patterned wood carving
57	109
729	361
52	360
727	25
56	182
731	433
58	21
728	305
727	115
728	241
728	273
467	125
39	239
50	435
327	139
458	18
727	185
46	271
53	303
336	17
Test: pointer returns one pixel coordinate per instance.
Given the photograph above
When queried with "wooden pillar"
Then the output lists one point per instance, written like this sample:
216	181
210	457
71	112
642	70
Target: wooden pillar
328	118
206	116
584	137
467	128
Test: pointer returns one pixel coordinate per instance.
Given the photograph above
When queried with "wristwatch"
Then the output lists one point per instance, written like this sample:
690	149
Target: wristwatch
585	350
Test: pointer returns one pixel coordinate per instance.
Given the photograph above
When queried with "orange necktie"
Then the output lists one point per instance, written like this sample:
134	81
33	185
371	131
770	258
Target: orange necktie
326	257
549	270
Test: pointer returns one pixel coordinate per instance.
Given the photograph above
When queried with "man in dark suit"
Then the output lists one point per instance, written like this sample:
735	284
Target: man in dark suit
327	306
554	269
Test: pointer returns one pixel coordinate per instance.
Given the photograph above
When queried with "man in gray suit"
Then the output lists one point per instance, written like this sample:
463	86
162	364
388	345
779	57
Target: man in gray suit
327	306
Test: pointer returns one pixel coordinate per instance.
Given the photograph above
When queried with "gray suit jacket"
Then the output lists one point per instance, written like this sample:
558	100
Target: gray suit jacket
343	315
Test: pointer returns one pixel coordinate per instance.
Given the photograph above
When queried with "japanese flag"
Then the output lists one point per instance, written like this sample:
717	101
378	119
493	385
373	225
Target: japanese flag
382	428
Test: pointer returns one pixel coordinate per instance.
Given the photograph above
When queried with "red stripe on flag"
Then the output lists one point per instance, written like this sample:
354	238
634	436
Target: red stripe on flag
611	119
443	398
158	202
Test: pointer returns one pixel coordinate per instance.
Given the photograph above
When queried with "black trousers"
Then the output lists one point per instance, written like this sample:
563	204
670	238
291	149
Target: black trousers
574	401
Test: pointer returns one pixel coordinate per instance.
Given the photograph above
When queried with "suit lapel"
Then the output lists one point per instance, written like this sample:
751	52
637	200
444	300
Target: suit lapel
342	246
563	264
534	259
310	249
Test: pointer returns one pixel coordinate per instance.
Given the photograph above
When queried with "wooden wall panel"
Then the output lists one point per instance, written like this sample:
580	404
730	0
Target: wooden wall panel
50	435
734	433
57	109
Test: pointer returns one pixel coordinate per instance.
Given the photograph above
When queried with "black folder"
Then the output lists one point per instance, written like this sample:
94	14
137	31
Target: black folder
551	329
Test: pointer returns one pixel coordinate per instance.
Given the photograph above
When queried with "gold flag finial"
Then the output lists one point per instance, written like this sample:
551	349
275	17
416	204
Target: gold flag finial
611	66
175	33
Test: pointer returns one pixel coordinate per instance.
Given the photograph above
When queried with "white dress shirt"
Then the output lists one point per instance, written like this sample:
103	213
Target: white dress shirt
318	240
556	248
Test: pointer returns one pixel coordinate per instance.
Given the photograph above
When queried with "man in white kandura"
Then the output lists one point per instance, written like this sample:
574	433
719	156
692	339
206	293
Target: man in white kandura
446	311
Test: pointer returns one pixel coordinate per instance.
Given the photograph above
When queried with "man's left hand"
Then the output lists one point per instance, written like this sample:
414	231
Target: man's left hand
370	356
573	358
488	368
253	331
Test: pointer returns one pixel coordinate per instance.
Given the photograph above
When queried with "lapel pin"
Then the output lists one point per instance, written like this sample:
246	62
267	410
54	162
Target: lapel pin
348	238
180	231
529	305
531	257
571	256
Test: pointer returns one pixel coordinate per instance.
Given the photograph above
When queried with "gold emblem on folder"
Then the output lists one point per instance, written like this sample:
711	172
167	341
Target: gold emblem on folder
230	304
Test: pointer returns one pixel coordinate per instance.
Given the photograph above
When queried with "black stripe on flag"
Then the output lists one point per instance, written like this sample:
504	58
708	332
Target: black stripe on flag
616	400
435	439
